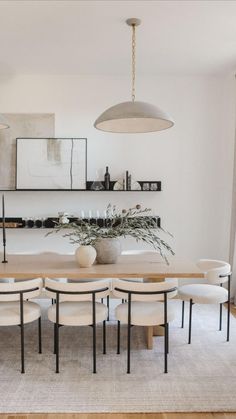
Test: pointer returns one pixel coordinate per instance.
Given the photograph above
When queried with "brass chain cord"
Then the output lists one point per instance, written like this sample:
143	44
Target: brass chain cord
133	63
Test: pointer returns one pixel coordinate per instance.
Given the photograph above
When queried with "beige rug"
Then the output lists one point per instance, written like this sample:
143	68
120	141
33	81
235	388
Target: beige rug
202	376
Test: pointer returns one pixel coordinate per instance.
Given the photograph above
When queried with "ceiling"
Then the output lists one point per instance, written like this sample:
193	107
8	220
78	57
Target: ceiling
90	37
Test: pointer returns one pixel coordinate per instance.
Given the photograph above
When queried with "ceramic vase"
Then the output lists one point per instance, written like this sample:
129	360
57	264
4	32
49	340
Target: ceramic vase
108	250
85	256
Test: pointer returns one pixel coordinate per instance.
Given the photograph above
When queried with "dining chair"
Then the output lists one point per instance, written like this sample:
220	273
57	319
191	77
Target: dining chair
147	306
15	309
77	305
216	273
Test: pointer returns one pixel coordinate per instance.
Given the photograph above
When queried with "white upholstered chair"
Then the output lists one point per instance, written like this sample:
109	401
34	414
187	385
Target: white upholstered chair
15	310
147	306
217	273
151	330
77	305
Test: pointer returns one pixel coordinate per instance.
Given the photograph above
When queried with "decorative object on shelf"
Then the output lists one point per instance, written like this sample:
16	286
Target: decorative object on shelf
85	256
63	218
107	179
4	239
30	223
38	223
97	185
133	116
134	222
51	163
151	185
3	122
135	186
146	186
119	185
108	250
126	180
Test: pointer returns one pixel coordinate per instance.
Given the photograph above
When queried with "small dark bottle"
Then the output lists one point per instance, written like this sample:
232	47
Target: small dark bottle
107	180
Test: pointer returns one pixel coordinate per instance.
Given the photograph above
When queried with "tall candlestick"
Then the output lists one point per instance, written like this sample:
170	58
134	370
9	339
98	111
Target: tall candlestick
3	231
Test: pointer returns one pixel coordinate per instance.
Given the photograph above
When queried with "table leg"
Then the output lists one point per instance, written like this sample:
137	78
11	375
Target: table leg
149	331
158	331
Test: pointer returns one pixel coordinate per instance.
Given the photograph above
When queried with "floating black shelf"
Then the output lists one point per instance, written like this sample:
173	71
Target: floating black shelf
50	222
89	184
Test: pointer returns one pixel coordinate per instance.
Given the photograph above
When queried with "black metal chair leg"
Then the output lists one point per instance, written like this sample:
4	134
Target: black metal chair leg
94	349
118	337
190	321
57	348
108	306
128	348
57	334
40	335
94	335
228	306
167	332
55	331
129	333
22	349
166	348
182	324
104	337
220	322
22	334
228	320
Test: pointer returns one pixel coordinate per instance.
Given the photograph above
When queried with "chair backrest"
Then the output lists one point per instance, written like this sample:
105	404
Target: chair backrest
155	290
11	291
216	271
77	291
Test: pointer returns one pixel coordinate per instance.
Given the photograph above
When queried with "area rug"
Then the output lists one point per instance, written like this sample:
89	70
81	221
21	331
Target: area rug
201	376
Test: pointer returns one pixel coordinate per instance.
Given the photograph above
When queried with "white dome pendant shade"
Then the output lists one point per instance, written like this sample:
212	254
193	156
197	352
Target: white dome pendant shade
133	116
3	122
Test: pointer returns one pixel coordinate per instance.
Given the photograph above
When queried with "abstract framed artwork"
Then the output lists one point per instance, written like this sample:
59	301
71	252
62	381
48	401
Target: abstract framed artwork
25	125
51	163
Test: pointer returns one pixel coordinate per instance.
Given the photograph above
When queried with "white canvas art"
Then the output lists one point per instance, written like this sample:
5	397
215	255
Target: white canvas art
51	163
21	125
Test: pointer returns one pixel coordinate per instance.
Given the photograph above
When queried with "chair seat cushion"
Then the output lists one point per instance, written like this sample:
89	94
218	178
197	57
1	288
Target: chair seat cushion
77	313
144	313
203	293
10	312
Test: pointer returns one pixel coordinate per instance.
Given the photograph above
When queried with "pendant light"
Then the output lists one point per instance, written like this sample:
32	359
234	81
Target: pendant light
133	116
3	122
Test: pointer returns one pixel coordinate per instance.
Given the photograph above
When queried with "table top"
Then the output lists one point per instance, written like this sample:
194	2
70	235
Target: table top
54	265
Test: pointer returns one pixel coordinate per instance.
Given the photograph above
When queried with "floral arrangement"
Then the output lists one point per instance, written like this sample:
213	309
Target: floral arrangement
133	222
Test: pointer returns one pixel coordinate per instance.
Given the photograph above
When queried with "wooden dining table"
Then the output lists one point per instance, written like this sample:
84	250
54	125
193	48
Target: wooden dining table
149	266
54	265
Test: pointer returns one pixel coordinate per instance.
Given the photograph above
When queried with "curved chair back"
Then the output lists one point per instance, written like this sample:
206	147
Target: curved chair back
28	289
216	271
78	291
149	291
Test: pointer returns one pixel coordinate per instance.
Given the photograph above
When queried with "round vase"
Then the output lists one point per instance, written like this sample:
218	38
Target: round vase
108	250
85	256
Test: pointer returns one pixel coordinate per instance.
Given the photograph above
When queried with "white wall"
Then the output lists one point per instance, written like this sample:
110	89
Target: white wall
193	160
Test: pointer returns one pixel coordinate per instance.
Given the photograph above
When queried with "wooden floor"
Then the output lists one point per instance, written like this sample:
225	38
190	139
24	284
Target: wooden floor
125	415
